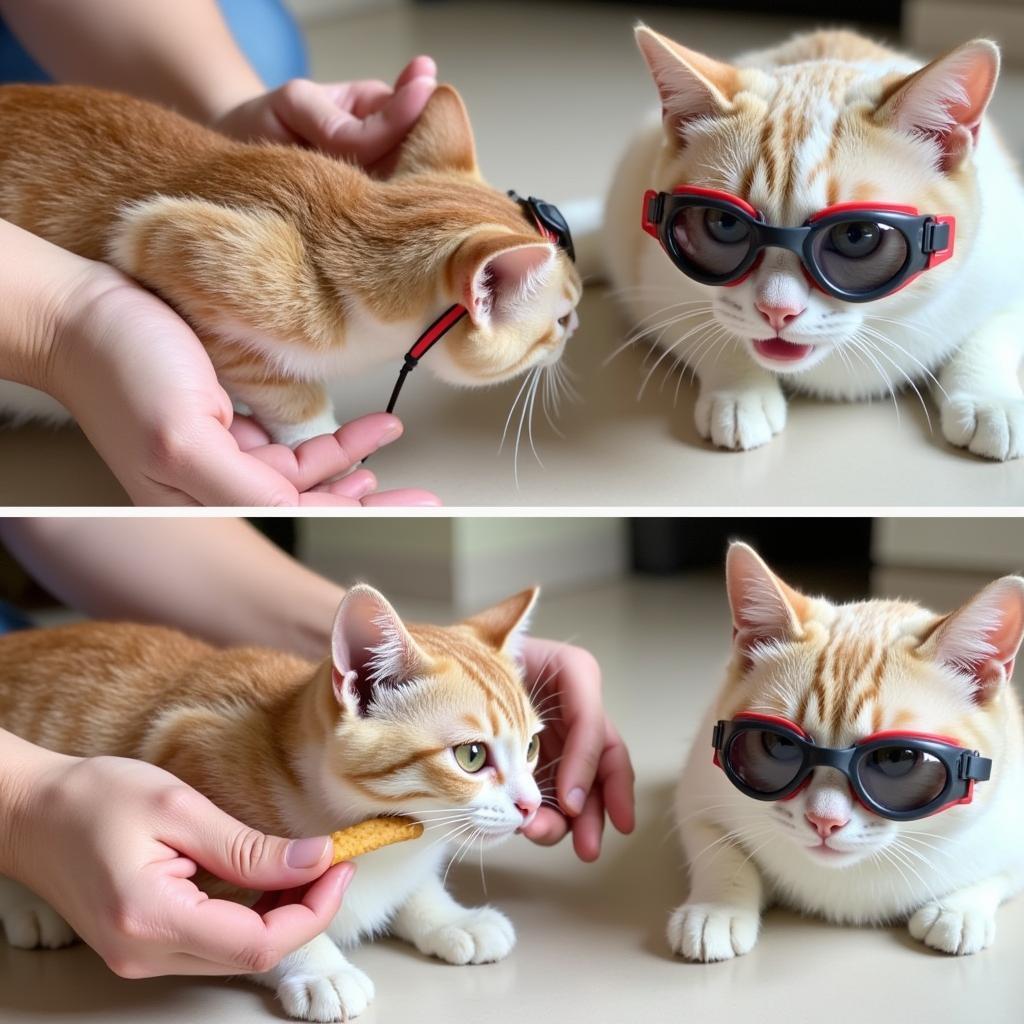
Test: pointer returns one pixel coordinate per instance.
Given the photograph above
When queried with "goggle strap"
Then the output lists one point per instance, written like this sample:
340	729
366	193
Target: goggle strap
423	344
975	768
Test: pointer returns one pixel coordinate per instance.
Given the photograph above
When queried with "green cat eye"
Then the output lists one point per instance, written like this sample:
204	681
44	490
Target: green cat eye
471	757
533	749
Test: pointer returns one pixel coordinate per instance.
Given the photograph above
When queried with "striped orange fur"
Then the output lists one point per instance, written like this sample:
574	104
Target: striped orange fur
291	266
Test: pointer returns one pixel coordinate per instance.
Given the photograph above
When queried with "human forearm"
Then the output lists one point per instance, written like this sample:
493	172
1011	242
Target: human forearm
181	54
216	578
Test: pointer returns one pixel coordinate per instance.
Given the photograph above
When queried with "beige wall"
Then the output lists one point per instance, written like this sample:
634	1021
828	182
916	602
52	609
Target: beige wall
932	26
467	562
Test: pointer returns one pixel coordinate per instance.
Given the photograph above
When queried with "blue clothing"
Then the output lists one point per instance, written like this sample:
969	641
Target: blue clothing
11	619
264	30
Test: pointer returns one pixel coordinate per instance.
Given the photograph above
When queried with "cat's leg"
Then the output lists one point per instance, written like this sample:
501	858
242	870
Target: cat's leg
436	925
740	405
317	982
722	913
964	921
291	411
981	400
31	923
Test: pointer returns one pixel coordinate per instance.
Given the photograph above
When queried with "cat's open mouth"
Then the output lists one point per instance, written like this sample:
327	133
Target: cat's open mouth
778	350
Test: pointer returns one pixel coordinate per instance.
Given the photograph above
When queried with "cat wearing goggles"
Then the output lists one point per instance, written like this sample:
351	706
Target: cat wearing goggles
862	762
828	218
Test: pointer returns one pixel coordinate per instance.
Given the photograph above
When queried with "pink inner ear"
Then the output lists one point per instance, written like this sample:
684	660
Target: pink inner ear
509	278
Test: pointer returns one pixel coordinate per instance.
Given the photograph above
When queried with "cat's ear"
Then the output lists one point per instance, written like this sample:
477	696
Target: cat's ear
982	638
764	609
441	139
690	84
370	648
501	274
946	100
503	626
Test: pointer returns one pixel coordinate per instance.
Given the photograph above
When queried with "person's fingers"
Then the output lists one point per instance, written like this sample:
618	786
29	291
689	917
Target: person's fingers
358	484
222	932
329	455
588	828
578	679
615	772
202	832
248	433
547	828
368	97
373	138
309	111
402	498
419	67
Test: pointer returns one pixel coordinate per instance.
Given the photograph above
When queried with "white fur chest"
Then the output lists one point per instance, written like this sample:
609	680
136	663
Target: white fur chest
384	880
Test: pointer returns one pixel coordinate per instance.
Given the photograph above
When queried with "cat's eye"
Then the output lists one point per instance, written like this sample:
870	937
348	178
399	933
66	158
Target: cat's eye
725	228
471	757
855	239
779	748
563	321
894	761
533	747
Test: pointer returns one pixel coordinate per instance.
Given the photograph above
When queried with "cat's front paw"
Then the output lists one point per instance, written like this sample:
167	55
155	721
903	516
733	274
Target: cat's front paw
294	434
712	931
36	925
953	929
479	937
988	425
741	419
336	995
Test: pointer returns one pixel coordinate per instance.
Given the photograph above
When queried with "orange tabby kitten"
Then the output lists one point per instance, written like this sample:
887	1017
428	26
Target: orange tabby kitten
428	721
291	266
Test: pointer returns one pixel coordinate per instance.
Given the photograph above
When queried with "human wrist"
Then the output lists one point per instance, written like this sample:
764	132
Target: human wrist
310	629
29	773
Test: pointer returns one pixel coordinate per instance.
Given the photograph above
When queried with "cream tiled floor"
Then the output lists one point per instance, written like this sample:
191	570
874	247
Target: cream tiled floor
554	90
591	945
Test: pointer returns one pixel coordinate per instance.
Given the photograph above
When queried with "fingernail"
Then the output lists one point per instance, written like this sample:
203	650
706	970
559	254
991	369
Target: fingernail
575	800
306	853
346	872
391	432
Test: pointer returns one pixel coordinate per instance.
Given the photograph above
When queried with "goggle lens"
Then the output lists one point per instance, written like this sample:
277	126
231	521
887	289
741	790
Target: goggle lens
859	256
901	778
764	760
713	241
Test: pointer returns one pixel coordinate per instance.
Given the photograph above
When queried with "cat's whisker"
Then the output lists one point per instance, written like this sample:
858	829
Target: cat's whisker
511	412
640	332
906	376
529	420
858	344
667	352
924	369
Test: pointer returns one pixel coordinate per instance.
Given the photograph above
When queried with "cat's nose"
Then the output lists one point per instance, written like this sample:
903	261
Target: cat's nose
779	316
528	806
825	824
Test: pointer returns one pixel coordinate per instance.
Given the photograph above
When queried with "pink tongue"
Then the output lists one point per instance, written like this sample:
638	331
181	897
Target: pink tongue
776	348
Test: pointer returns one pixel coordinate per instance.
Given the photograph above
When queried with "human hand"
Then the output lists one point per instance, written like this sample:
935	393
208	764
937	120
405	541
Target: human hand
360	121
580	750
142	387
111	844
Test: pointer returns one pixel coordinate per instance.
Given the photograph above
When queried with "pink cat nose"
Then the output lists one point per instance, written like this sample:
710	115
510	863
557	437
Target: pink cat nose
778	316
825	825
527	807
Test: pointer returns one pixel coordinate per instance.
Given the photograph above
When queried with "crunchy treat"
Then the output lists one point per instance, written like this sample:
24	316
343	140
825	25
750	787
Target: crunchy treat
372	835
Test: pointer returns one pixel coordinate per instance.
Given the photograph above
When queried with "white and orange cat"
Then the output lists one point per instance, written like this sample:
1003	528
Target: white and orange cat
826	118
291	266
432	722
842	673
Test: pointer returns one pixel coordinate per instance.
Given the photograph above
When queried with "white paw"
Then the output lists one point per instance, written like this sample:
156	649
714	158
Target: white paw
712	931
990	426
951	929
741	419
337	995
295	433
480	937
35	925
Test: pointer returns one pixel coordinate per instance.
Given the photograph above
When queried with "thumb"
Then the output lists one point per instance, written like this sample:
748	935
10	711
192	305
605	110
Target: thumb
245	856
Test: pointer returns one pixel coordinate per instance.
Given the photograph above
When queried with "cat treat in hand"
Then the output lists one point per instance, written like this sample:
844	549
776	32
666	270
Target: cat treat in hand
371	835
399	724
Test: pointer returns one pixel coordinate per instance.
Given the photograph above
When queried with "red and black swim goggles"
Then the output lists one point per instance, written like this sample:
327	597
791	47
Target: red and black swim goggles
857	252
898	775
